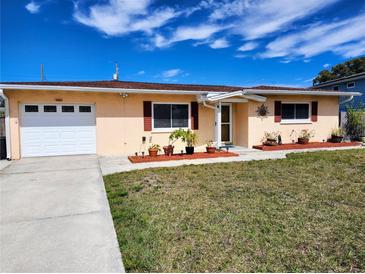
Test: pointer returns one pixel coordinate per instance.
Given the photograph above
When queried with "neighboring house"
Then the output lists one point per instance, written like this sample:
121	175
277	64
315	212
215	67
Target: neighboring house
122	118
355	82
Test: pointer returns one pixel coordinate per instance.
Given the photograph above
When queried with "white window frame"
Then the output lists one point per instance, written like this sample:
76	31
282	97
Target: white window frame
347	85
298	121
169	129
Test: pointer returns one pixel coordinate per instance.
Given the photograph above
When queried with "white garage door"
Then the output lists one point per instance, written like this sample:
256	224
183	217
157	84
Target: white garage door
57	129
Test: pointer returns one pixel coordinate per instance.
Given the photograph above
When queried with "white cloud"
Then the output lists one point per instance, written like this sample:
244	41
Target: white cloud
265	17
119	17
171	73
141	72
219	44
248	46
351	50
320	38
286	61
33	7
222	10
326	65
184	33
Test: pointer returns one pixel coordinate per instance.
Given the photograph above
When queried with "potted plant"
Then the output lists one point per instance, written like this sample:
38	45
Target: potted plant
190	138
169	149
304	136
210	147
153	150
337	135
270	138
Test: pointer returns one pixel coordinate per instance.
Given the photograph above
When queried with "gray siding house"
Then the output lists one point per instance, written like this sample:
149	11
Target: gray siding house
355	82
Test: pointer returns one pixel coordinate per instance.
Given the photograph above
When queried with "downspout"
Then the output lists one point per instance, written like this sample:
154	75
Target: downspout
7	125
347	100
208	106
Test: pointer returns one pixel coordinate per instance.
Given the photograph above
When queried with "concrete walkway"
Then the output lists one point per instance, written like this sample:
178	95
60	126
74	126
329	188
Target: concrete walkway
110	165
55	217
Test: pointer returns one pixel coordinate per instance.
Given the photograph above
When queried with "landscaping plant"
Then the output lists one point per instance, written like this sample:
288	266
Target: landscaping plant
270	138
305	136
153	150
190	139
210	147
355	122
336	135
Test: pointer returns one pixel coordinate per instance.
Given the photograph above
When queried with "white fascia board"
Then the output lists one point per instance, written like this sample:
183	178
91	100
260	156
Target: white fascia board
300	92
254	97
105	90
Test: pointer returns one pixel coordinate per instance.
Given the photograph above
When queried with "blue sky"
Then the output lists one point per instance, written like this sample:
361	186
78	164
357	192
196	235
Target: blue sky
236	42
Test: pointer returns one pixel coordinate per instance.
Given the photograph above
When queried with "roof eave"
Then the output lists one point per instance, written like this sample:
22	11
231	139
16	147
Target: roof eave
301	92
341	80
105	90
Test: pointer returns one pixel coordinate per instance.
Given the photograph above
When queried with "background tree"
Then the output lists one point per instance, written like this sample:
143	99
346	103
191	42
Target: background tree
347	68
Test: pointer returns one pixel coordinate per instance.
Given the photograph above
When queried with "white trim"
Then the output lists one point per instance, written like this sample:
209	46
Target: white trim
302	92
297	121
349	83
169	129
230	123
7	125
246	91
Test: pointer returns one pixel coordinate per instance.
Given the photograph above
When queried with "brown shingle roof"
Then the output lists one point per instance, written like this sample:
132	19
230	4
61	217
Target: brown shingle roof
273	88
153	86
132	85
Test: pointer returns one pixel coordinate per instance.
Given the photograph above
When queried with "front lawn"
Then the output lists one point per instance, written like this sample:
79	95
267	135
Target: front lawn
304	213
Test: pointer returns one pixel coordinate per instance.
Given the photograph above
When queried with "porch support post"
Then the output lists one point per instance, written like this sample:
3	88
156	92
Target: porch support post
218	122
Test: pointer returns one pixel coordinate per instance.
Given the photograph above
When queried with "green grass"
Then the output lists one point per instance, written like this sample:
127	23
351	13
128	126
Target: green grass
304	213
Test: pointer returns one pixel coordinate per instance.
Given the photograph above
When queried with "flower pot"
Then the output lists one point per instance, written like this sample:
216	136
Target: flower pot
270	143
303	141
189	150
168	150
153	152
336	138
210	149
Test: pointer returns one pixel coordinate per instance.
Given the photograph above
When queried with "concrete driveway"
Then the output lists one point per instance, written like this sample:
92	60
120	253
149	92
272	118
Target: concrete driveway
55	217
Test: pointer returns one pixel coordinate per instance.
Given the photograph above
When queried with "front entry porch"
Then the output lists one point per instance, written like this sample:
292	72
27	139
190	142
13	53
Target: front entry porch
230	117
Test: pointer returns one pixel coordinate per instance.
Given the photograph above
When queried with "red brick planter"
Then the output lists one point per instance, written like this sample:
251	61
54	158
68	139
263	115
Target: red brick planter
196	155
304	146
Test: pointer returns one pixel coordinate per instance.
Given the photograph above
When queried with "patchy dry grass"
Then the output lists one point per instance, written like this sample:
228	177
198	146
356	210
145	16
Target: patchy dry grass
304	213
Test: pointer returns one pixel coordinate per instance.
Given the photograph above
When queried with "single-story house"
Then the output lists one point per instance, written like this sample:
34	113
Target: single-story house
122	118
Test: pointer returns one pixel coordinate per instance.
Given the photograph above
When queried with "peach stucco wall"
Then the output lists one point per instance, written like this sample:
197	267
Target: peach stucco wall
327	120
119	121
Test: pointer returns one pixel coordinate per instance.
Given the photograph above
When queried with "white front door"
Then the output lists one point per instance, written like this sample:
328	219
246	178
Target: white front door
57	129
226	123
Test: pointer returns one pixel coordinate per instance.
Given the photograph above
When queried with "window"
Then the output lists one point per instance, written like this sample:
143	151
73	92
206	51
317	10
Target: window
295	112
31	108
168	116
68	109
84	109
50	109
351	85
335	88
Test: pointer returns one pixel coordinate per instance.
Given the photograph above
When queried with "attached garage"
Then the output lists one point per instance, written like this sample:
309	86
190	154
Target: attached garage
57	129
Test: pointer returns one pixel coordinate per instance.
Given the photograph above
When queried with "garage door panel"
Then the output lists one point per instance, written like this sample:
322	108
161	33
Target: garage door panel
57	133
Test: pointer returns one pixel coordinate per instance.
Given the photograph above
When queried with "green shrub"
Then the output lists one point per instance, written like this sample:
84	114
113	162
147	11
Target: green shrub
354	125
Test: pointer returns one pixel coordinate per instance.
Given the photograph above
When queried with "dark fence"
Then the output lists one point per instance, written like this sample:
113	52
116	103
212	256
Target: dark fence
2	126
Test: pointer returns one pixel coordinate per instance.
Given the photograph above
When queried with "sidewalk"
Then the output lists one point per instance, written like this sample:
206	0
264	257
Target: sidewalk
115	164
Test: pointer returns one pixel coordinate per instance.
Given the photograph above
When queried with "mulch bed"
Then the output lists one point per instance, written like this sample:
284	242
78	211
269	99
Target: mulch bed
309	145
196	155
